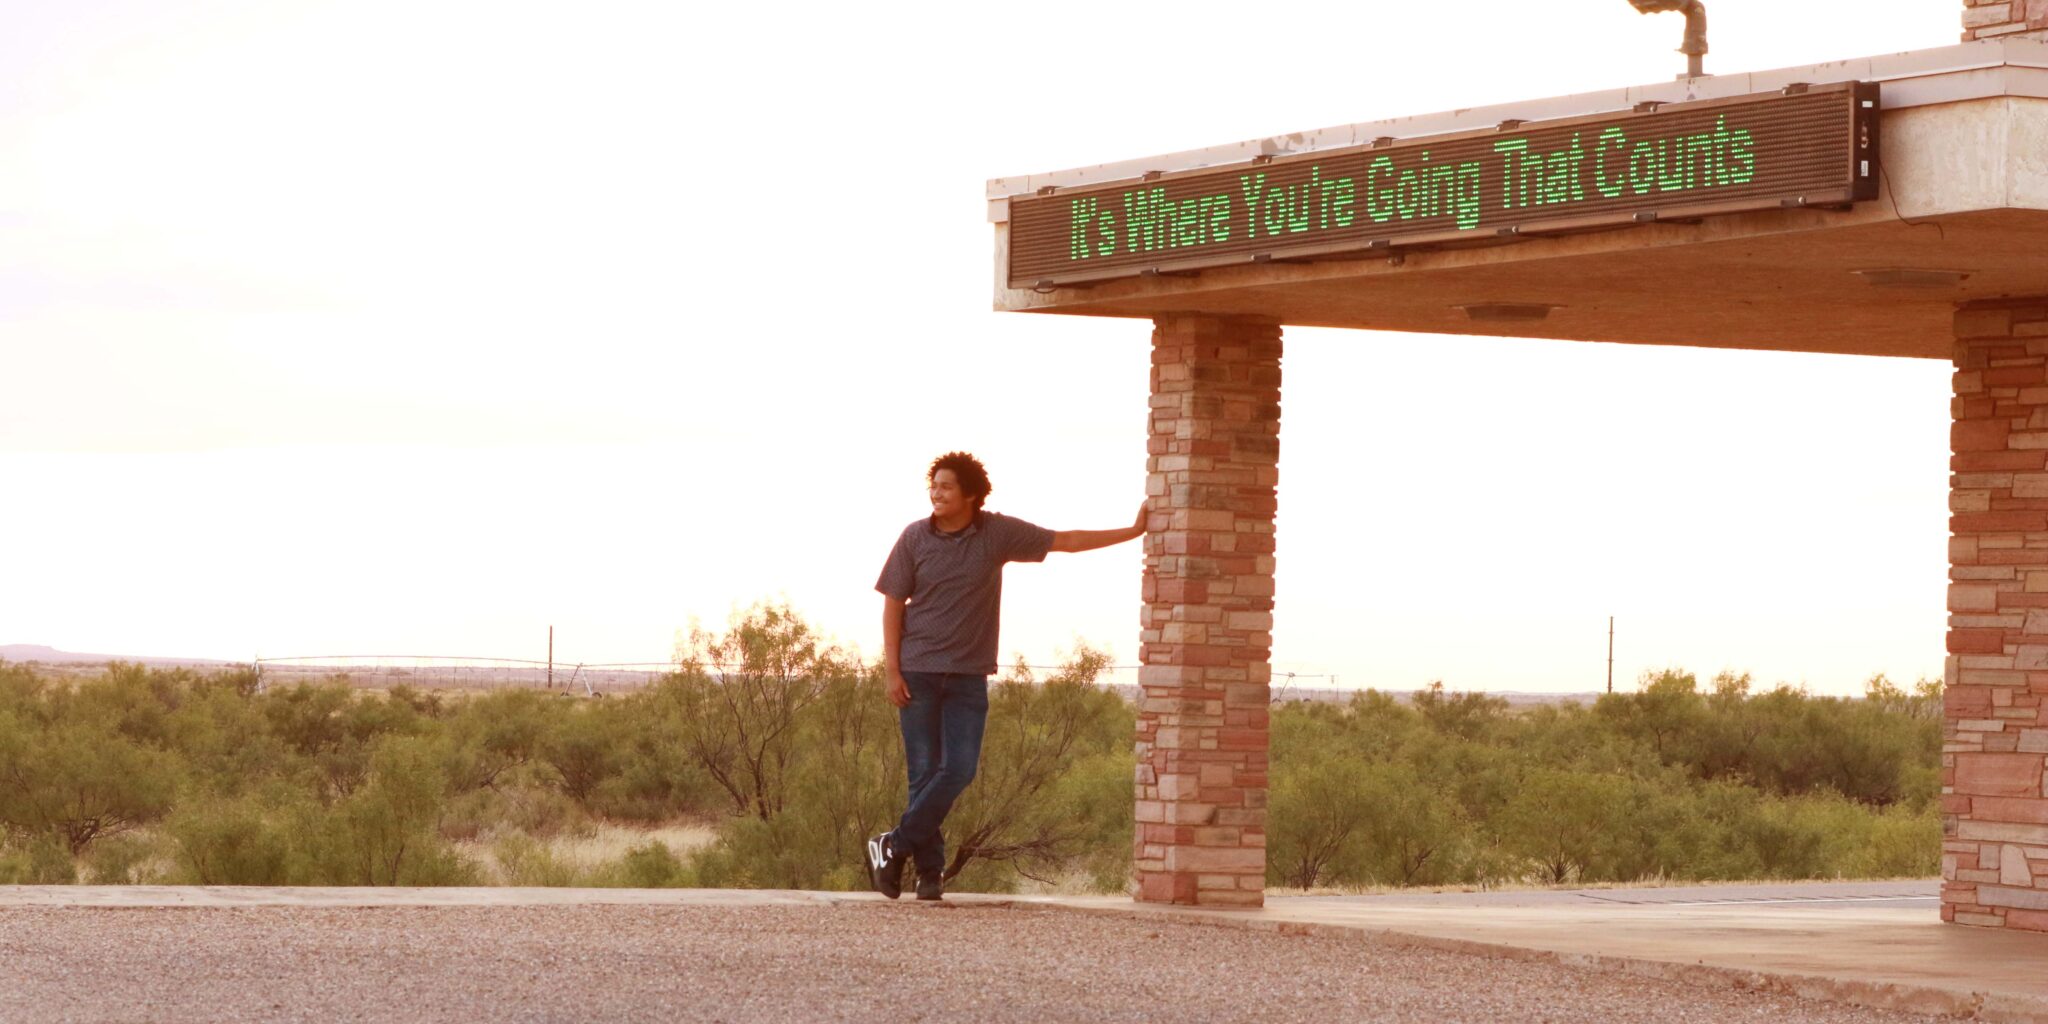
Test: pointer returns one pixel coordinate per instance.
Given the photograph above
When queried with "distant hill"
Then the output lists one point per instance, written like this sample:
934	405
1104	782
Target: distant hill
53	656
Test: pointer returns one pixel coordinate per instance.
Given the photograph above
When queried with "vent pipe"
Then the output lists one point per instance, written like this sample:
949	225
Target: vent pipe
1695	45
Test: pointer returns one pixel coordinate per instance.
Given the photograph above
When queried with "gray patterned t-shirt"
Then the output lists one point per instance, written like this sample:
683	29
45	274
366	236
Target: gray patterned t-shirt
954	586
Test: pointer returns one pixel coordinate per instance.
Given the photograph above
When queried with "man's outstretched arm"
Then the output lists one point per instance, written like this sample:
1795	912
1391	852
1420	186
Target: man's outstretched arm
1089	540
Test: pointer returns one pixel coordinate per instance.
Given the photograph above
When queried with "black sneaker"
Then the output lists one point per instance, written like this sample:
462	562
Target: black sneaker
929	887
885	865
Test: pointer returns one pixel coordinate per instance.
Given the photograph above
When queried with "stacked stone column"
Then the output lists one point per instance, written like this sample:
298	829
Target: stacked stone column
1206	628
1994	861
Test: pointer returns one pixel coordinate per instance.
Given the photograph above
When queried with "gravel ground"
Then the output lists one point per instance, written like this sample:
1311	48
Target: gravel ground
847	961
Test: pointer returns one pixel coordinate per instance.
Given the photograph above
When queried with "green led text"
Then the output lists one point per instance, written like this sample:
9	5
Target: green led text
1504	180
1423	191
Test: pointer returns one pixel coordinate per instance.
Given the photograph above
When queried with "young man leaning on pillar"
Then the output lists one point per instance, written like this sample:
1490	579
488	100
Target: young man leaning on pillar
942	590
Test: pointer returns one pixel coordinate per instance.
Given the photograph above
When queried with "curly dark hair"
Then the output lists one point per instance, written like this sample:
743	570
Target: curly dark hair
968	470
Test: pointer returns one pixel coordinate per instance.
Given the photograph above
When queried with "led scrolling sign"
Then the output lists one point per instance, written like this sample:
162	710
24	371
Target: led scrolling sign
1806	146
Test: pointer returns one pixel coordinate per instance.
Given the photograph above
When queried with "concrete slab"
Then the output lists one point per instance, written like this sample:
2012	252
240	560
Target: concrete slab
1881	946
136	896
830	960
1868	944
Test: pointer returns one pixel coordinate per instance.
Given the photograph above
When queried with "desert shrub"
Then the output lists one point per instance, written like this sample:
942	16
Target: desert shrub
240	841
80	782
1337	818
127	859
1467	716
494	734
739	700
1048	750
1713	836
387	832
422	703
224	740
581	743
791	850
37	860
333	728
1789	838
318	783
1900	842
130	700
654	777
1096	795
650	865
521	804
526	862
1573	826
843	783
1014	821
1320	809
21	689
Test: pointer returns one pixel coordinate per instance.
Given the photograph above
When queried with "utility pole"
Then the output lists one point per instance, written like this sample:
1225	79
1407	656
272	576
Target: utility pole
551	661
1610	654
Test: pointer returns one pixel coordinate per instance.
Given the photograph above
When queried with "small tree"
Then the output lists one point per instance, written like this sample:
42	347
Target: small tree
737	699
385	832
1036	734
1464	715
80	783
581	745
235	842
1565	823
1321	807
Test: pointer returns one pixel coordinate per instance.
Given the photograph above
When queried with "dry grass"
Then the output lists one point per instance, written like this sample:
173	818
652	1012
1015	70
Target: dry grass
580	856
606	843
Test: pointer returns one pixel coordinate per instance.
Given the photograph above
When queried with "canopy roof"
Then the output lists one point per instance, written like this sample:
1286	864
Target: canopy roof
1964	190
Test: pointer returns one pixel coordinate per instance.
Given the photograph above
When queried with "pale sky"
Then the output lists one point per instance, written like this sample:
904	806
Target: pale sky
418	327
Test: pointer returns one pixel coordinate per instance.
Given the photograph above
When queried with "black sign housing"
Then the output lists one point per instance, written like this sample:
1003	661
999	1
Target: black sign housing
1804	146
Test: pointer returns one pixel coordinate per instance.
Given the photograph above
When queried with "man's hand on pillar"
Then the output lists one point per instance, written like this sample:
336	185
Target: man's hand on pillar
1089	540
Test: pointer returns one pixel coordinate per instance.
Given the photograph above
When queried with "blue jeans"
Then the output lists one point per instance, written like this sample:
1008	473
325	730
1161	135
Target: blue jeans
941	747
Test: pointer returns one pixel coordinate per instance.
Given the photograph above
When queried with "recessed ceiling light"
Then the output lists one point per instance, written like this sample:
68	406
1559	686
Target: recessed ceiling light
1912	277
1508	312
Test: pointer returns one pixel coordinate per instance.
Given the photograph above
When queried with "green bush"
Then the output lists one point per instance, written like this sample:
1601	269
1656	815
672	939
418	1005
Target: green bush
651	865
582	745
42	860
520	804
792	749
80	781
526	862
128	859
387	832
233	842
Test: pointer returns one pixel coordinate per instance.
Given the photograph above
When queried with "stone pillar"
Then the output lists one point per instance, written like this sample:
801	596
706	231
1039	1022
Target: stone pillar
1985	19
1994	851
1206	629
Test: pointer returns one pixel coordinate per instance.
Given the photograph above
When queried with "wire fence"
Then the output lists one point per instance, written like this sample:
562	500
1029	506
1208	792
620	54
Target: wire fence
457	672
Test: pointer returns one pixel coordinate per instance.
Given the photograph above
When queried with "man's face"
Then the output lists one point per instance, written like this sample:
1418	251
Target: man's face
948	500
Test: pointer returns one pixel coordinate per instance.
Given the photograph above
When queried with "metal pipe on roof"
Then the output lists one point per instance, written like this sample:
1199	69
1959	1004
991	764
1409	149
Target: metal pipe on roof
1695	44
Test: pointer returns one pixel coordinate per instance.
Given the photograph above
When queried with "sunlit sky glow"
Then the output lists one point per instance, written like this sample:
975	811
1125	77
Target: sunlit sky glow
373	327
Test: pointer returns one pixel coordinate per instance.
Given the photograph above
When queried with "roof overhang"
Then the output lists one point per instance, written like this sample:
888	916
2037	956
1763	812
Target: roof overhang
1965	191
